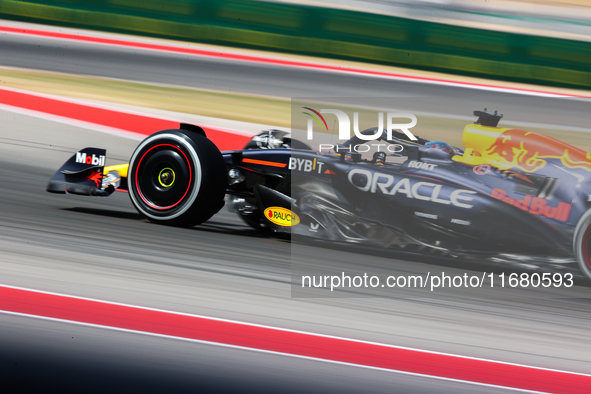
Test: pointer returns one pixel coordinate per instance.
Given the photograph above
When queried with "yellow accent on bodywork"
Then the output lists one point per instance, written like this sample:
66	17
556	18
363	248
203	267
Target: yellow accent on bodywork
477	139
120	168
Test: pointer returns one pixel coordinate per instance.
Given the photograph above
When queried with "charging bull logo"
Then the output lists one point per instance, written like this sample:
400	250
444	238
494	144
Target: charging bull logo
528	151
96	177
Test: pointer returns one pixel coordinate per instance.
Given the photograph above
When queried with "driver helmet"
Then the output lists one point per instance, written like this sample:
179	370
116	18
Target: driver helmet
444	146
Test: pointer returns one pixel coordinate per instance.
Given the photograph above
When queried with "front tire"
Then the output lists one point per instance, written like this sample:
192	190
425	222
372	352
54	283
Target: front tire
177	177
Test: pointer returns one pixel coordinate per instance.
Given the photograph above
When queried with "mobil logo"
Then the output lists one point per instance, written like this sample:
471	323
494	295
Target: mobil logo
83	158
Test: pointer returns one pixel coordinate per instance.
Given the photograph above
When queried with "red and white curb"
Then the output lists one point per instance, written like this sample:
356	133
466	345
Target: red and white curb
202	329
129	318
105	39
107	119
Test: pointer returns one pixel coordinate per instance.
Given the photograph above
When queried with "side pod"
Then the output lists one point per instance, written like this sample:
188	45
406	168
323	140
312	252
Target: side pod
81	174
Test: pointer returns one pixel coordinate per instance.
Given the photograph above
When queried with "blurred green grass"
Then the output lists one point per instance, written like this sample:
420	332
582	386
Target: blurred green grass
309	30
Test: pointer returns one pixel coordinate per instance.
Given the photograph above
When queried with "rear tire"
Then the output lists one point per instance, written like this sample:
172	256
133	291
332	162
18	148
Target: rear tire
177	177
582	244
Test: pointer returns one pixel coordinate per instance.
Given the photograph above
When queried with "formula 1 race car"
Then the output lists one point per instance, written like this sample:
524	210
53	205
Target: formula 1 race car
511	196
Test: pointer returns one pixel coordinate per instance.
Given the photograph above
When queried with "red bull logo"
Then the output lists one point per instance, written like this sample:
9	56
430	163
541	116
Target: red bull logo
529	151
96	177
535	205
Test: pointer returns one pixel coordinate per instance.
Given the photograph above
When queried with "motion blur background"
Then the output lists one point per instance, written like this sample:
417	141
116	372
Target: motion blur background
103	249
542	41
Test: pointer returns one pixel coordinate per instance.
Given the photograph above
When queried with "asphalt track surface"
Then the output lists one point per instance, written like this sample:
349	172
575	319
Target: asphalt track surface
101	248
289	82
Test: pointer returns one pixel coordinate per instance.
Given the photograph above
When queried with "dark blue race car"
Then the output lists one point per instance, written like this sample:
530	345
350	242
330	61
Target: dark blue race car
510	196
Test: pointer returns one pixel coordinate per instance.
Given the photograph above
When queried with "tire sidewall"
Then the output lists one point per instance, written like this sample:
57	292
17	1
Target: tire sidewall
578	240
185	144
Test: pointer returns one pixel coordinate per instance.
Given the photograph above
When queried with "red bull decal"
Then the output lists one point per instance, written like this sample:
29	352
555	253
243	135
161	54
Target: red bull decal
535	205
281	216
96	177
529	151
